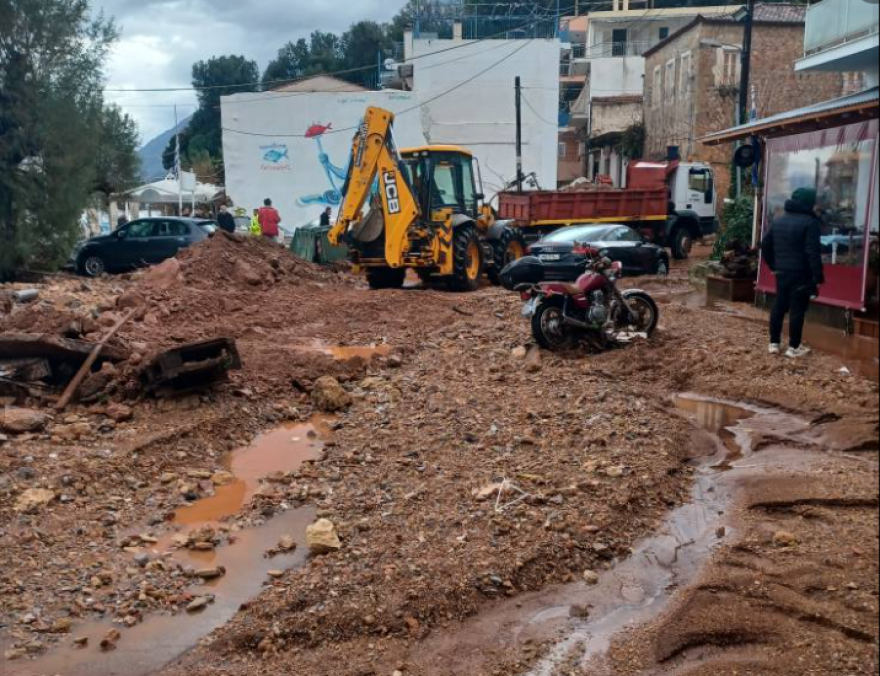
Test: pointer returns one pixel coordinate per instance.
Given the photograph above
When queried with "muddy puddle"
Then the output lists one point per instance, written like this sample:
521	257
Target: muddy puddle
639	589
162	638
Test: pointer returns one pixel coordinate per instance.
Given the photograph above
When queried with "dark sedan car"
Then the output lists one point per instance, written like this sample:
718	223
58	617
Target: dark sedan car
564	252
146	241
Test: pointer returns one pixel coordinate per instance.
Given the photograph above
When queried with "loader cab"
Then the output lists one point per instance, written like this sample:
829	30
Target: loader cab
444	177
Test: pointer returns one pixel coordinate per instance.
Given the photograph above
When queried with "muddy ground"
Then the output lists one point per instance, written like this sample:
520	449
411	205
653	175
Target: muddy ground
445	405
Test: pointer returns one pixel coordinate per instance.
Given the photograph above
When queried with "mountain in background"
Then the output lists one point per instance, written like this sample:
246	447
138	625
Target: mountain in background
151	154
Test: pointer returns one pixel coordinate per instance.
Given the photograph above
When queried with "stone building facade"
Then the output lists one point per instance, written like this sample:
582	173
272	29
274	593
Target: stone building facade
692	82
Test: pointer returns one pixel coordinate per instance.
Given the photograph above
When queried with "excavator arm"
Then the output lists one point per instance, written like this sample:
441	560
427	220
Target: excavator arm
375	155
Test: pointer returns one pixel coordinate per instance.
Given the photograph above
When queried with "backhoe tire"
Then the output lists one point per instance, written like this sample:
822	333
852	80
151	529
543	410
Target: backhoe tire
467	252
511	246
386	278
682	244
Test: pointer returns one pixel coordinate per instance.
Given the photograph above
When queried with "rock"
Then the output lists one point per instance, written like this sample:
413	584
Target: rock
329	396
591	577
276	574
120	412
168	478
62	626
395	361
81	642
164	276
130	300
287	544
211	573
244	273
520	352
534	361
615	472
199	604
222	478
323	538
22	420
785	539
110	640
14	654
142	560
34	498
489	492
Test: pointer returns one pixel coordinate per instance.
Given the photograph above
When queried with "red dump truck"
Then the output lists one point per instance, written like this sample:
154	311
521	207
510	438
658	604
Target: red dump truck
671	203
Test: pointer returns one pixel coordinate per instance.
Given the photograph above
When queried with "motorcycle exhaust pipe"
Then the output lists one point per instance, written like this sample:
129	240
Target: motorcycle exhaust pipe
568	321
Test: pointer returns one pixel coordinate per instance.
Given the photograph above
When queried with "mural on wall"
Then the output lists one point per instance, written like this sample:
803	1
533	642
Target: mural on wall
335	175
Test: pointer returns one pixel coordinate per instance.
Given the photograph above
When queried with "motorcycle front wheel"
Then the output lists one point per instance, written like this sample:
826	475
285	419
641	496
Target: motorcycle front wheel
549	329
645	313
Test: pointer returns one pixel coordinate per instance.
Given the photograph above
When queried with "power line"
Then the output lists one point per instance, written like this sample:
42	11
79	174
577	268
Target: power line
348	71
406	111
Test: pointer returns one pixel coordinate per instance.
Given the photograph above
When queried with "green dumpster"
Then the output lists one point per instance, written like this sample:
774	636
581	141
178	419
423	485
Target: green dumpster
312	243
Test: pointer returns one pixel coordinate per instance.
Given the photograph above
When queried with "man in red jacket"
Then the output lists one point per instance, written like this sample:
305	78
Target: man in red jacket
269	220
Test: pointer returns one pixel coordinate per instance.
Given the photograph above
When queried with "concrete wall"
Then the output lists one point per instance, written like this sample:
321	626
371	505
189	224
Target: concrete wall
708	102
613	116
617	76
481	115
455	102
571	162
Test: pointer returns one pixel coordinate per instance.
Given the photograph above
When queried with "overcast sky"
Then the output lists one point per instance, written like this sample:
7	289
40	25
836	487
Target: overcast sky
161	39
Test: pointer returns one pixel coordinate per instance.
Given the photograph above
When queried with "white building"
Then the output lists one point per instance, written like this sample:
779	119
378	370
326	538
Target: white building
612	64
293	146
843	36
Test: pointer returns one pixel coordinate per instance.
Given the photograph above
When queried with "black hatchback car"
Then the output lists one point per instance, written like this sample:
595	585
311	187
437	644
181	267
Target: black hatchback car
146	241
563	253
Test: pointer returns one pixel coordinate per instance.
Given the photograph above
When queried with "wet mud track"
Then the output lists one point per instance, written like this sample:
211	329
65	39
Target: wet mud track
432	580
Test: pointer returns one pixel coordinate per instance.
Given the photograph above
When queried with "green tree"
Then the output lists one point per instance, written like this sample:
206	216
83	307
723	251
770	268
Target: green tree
213	79
51	114
292	62
117	165
361	46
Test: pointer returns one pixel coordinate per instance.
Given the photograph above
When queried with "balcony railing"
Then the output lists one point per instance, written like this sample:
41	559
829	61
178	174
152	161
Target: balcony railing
835	22
617	50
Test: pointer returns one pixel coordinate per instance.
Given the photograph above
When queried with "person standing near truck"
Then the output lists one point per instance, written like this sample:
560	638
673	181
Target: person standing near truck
793	251
270	221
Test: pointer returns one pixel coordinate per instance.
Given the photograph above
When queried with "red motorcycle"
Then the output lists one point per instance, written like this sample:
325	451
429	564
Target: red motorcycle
593	309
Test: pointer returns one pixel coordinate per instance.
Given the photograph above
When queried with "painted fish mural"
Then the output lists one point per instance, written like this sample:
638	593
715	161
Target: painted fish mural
335	175
276	156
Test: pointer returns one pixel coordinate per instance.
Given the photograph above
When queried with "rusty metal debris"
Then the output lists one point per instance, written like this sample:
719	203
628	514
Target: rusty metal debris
191	367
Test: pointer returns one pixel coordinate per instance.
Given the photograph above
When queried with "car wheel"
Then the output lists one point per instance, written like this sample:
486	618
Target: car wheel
682	244
93	265
662	268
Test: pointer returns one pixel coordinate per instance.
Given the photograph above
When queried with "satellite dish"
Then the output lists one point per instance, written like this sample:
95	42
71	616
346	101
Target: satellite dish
746	157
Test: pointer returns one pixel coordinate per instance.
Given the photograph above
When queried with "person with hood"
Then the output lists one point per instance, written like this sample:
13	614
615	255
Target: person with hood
793	251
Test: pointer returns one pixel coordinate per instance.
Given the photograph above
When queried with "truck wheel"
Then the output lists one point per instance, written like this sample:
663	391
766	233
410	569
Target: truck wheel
510	247
682	244
386	278
467	252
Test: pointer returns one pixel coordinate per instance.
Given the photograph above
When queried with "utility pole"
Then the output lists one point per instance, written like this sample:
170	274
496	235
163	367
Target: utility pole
177	163
746	75
519	154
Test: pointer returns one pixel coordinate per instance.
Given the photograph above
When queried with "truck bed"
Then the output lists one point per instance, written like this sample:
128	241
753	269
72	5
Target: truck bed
543	208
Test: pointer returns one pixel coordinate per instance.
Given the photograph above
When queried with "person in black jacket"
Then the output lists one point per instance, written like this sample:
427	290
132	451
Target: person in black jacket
225	220
793	251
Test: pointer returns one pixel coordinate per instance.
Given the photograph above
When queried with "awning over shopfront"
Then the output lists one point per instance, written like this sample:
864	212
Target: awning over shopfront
167	191
846	110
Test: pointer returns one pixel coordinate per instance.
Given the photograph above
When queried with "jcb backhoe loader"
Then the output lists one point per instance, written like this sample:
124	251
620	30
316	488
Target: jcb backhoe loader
426	213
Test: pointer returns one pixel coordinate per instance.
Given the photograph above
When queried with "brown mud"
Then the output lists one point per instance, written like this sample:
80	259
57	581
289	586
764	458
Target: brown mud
451	410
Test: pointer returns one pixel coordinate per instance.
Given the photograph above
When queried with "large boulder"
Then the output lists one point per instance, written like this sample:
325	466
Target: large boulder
22	420
329	396
322	538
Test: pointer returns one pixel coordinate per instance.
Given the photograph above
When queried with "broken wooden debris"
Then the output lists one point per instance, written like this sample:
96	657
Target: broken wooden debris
191	367
54	348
